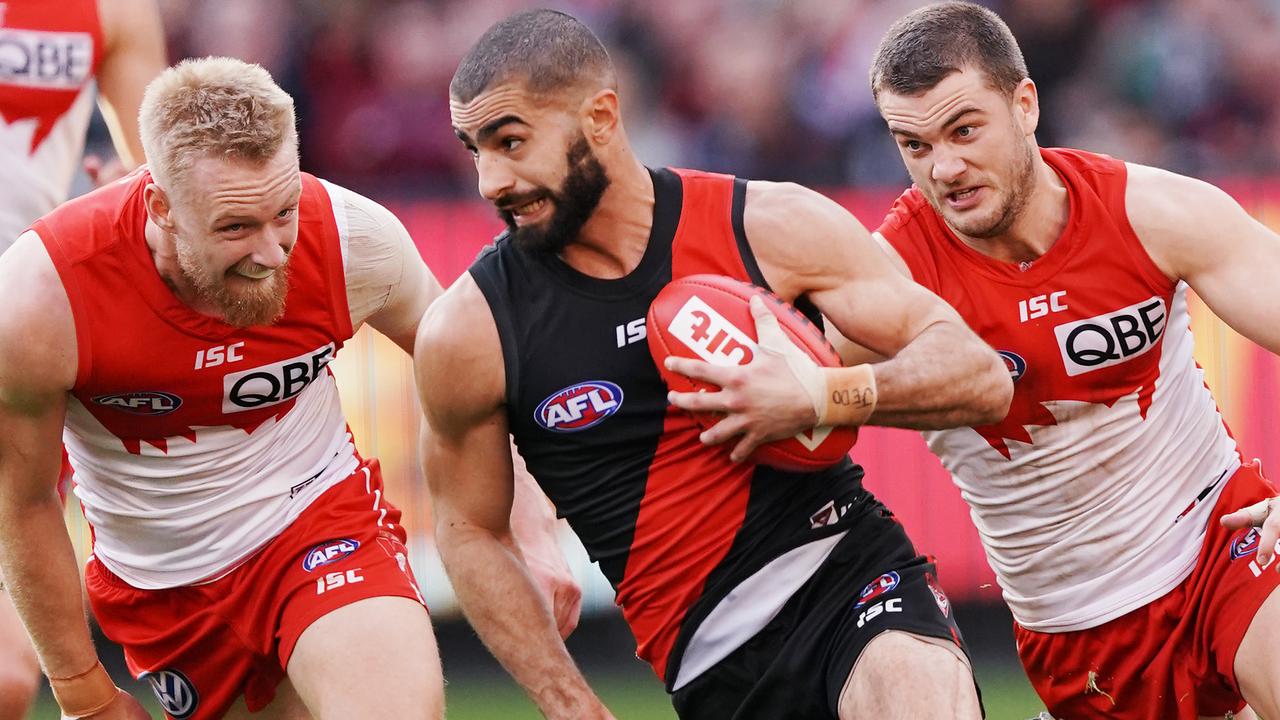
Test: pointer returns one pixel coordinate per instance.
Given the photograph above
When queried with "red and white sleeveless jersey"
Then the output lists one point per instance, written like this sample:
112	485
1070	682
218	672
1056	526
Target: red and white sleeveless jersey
195	442
1093	494
49	55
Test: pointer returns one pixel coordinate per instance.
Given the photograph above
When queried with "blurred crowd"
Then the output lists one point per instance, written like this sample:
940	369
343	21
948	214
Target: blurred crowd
772	89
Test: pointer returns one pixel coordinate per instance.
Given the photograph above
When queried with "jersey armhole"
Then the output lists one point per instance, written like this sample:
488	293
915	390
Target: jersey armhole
75	298
738	207
337	272
1133	246
508	344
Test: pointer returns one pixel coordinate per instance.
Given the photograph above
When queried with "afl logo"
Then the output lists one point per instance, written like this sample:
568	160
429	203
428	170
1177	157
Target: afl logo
579	407
151	402
881	585
329	552
175	692
1246	544
1014	363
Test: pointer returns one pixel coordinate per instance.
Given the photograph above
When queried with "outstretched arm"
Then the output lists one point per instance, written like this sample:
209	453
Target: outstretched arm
133	55
936	372
1198	233
468	464
37	368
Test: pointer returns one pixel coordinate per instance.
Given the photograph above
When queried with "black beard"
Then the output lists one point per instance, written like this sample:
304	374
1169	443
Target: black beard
577	199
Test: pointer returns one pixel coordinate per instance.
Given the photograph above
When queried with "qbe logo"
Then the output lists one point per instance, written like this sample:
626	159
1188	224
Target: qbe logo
1113	338
175	692
275	383
45	60
710	335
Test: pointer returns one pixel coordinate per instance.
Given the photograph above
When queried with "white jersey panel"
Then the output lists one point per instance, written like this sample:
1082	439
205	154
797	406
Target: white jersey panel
1111	502
193	510
34	183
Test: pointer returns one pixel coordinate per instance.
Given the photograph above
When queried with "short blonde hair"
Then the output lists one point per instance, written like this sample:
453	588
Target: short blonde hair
213	106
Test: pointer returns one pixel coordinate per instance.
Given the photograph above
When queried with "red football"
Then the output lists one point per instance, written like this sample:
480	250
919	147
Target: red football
707	317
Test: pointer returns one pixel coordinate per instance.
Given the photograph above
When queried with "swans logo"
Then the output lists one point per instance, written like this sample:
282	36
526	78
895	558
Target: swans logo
175	692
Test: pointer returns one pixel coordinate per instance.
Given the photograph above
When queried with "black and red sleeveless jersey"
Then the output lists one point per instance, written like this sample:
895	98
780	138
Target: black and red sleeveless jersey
673	524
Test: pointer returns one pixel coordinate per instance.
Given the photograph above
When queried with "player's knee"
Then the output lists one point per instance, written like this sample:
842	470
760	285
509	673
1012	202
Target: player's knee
899	675
19	683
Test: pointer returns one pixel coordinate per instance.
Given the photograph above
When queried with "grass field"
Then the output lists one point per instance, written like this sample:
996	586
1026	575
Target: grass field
1007	695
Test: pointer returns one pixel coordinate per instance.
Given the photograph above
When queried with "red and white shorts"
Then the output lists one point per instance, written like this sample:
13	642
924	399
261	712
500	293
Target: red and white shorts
203	646
1174	658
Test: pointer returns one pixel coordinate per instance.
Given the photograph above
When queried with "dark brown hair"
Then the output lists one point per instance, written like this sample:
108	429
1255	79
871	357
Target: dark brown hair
925	46
545	49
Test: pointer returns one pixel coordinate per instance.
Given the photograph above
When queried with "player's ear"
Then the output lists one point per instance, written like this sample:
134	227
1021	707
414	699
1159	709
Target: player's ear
601	116
1026	106
159	209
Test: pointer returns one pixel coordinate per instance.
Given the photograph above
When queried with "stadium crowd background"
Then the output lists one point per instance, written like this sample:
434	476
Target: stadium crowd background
770	89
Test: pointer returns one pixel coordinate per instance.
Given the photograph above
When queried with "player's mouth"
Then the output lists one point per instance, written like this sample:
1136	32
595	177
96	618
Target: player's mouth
966	198
257	272
530	212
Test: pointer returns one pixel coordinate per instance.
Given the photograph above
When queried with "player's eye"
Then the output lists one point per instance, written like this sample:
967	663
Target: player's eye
964	131
511	143
285	213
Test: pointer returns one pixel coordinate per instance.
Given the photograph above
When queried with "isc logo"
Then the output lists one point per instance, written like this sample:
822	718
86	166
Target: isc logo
579	407
1111	339
329	552
141	403
893	605
710	335
275	383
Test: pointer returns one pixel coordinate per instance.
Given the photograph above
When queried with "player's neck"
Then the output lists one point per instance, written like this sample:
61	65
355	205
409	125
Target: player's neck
1038	225
612	243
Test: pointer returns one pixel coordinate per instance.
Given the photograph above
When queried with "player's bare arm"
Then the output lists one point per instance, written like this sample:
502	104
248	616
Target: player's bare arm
37	369
1196	232
134	54
806	244
466	458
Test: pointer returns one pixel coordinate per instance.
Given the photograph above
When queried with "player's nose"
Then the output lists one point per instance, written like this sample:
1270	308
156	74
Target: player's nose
274	247
947	167
495	177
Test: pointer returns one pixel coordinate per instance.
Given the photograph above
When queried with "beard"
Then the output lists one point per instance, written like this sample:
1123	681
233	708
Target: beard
254	302
1021	170
574	203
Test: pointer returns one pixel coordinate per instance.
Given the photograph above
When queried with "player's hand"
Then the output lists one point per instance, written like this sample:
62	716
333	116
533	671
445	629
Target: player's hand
124	707
104	172
1264	514
767	399
558	586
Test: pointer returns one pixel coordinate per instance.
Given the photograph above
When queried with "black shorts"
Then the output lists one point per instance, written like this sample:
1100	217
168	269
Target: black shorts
796	667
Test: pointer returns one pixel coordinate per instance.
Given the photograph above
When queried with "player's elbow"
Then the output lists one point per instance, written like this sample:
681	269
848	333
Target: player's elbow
19	680
992	390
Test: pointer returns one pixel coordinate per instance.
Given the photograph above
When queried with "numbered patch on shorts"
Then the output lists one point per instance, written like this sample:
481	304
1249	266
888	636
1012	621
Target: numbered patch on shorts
175	692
